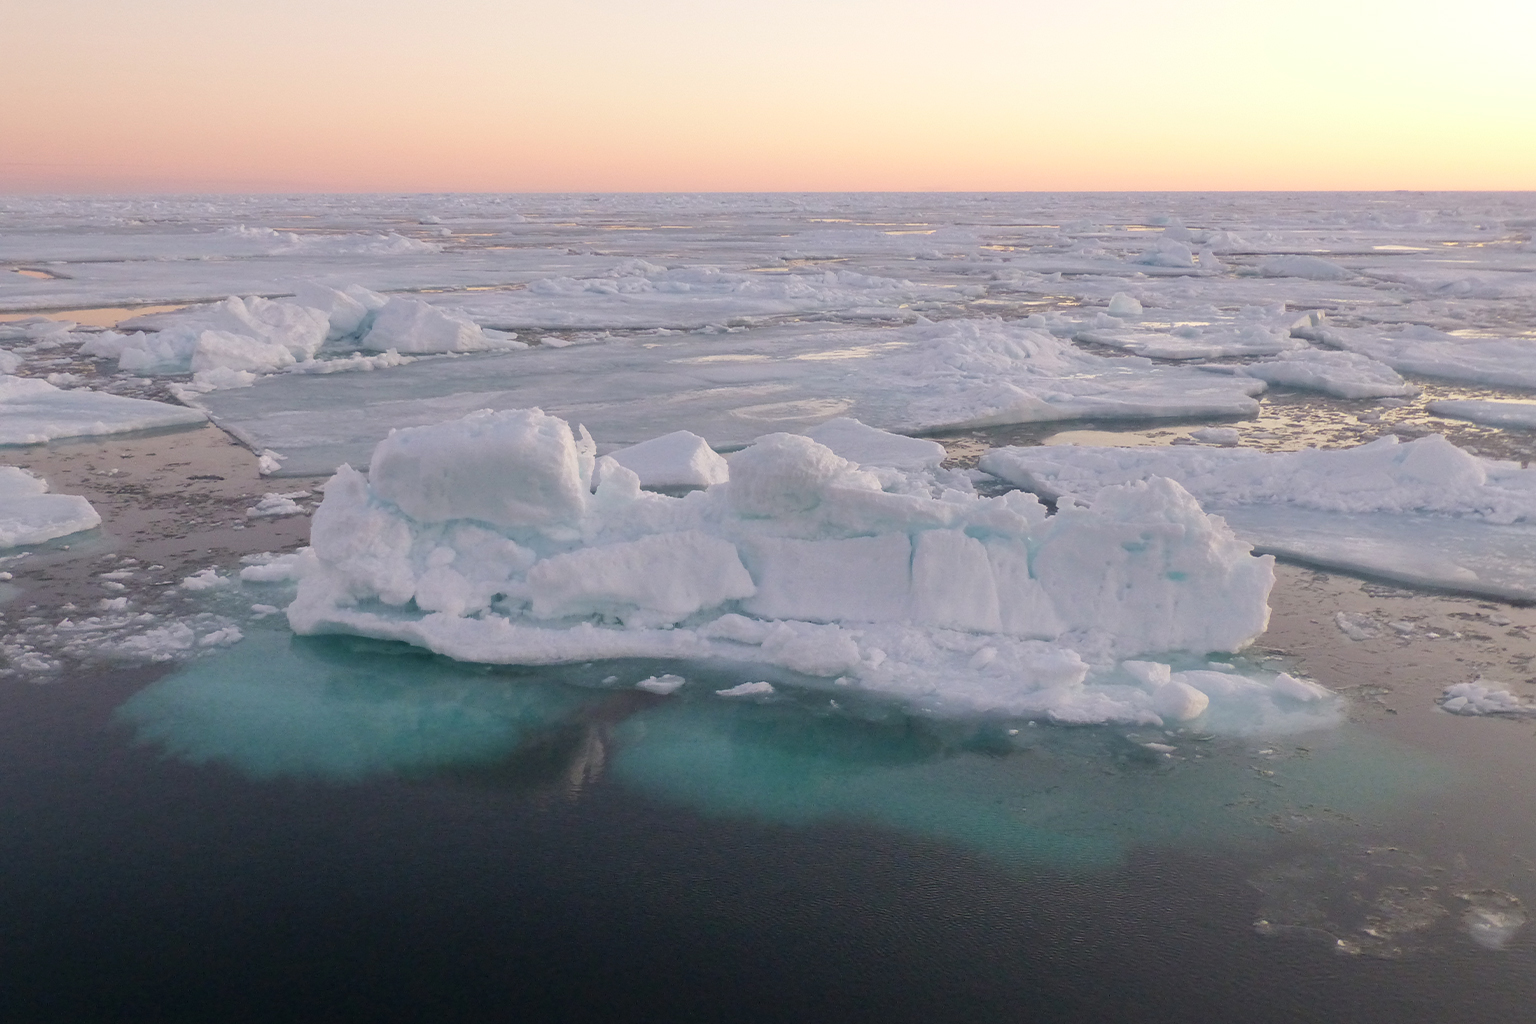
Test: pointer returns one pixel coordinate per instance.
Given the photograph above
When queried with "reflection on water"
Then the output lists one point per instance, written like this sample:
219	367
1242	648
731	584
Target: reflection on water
344	710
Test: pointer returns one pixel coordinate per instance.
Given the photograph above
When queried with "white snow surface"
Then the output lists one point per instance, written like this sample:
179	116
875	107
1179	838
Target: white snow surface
33	411
30	515
1478	699
482	539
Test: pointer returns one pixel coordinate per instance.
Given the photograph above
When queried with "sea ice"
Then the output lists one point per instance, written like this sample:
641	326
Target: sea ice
1491	413
30	515
482	539
1343	374
33	411
1423	512
910	379
678	459
1478	699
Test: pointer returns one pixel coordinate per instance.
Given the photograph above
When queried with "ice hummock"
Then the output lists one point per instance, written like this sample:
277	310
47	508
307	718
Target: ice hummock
1422	512
30	515
483	539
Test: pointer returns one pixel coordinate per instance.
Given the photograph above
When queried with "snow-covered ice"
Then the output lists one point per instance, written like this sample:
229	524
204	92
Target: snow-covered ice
33	411
1342	374
1423	512
1492	413
678	459
30	515
913	378
483	539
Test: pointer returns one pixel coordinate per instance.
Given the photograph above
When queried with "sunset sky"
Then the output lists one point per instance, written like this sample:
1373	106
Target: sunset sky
689	95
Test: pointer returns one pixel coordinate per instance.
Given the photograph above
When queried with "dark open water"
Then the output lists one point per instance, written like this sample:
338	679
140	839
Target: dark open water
617	858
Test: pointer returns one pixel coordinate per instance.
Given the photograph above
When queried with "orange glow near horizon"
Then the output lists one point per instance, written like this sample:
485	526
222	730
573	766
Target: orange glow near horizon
683	95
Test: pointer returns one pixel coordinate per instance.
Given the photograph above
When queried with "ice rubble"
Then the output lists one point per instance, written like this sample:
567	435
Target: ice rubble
223	343
1422	512
30	515
482	539
33	411
1477	699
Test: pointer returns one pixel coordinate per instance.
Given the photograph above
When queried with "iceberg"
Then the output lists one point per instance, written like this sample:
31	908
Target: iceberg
483	539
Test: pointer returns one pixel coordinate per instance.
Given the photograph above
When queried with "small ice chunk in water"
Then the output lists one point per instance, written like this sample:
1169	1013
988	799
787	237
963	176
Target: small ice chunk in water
273	505
663	684
1477	699
207	579
761	689
1225	436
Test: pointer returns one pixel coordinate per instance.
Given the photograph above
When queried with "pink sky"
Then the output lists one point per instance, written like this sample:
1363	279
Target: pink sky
475	95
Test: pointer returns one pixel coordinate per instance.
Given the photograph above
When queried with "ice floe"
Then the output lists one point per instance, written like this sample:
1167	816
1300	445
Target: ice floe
483	539
30	515
1423	511
33	411
913	378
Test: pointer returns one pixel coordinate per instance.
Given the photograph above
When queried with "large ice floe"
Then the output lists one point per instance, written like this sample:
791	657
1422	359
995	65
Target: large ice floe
30	515
736	387
483	539
33	411
1422	512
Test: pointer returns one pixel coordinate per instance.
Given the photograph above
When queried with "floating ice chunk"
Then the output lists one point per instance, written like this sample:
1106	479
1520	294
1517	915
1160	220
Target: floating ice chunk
412	326
1344	374
869	446
9	361
1179	702
761	689
1121	304
1478	699
33	411
206	579
275	504
1226	436
678	459
269	462
298	329
269	568
1357	625
1313	268
663	685
799	561
1491	413
30	515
